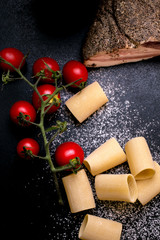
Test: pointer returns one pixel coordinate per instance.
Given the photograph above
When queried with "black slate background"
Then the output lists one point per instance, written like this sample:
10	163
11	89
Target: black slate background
29	208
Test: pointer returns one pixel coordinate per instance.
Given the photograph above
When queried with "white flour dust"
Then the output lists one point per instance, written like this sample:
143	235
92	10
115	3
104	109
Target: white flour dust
123	119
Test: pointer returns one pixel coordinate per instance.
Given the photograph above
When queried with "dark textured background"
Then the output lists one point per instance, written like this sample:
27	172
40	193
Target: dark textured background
29	208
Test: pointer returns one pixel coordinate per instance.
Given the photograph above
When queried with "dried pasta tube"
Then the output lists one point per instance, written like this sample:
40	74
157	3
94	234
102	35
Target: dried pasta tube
149	188
97	228
116	187
87	101
108	155
139	158
79	192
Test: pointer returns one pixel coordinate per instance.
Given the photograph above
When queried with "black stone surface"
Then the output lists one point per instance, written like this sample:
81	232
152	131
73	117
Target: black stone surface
29	208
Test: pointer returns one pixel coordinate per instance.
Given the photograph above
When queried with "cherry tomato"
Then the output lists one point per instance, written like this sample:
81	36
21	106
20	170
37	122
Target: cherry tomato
30	144
68	151
40	65
13	56
46	89
74	70
26	109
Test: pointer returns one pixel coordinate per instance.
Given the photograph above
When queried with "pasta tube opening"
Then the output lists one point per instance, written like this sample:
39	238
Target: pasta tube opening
149	188
88	166
139	158
144	173
83	226
132	188
116	187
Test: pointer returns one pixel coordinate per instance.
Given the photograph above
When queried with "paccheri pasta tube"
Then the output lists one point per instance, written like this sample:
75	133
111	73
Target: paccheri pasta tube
139	158
149	188
116	187
97	228
108	155
87	101
79	192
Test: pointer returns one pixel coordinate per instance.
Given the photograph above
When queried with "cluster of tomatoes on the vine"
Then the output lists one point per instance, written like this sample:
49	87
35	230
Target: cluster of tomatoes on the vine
46	69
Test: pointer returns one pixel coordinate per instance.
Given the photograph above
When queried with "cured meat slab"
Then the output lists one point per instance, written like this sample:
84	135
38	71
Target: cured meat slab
123	31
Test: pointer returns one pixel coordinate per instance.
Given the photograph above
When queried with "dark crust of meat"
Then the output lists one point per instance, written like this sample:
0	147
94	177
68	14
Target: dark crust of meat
139	19
121	24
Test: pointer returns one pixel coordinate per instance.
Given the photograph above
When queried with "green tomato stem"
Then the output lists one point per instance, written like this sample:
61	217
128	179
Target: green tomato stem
53	137
48	155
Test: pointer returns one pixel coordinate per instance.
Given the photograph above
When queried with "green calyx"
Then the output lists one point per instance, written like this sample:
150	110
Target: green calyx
23	119
27	153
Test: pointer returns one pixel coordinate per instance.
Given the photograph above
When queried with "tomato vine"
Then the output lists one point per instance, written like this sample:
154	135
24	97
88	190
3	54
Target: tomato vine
46	104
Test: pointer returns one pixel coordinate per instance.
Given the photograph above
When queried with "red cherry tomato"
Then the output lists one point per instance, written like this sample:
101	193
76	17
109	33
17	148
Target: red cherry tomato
45	89
30	144
68	151
40	65
13	56
74	70
22	107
